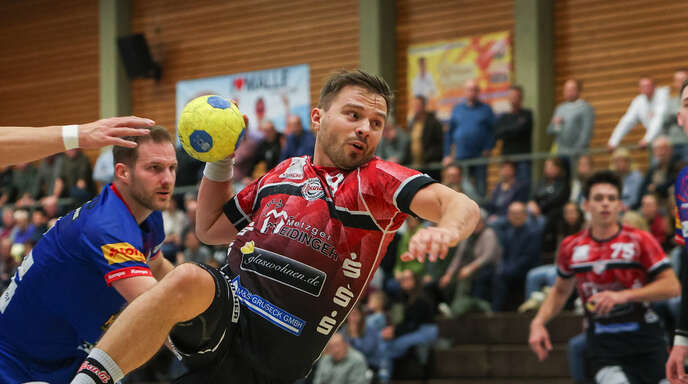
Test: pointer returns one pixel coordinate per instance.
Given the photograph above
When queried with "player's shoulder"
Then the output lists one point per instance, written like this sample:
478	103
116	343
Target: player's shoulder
109	215
378	168
632	233
293	168
682	179
580	238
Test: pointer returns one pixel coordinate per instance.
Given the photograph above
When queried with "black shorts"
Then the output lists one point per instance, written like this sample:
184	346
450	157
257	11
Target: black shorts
645	368
210	344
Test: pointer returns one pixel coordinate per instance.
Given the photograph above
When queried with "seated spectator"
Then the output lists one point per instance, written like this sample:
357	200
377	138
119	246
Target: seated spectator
416	329
104	168
426	138
471	269
363	335
394	144
515	129
75	178
662	173
507	190
269	149
299	141
520	243
39	220
194	252
341	364
452	177
174	222
5	183
7	222
23	230
377	302
631	179
584	168
658	224
552	191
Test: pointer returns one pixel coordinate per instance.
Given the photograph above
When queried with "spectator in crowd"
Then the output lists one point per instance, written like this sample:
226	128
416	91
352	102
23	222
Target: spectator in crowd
341	364
452	177
471	269
635	220
508	189
657	223
174	221
299	141
520	243
423	84
75	179
552	191
363	335
48	172
245	157
662	173
7	224
670	127
426	138
416	329
23	230
584	168
631	179
190	206
394	144
269	149
22	191
5	183
189	170
393	288
647	108
572	122
104	168
39	220
7	263
515	129
193	251
471	134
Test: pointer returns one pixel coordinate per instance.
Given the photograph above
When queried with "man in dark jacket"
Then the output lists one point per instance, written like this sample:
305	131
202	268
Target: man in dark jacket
515	129
426	138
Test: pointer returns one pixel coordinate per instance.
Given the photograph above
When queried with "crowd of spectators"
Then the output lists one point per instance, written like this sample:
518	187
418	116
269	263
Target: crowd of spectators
503	266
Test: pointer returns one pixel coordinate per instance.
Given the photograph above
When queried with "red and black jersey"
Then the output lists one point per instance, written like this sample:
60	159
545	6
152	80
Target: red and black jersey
310	239
629	259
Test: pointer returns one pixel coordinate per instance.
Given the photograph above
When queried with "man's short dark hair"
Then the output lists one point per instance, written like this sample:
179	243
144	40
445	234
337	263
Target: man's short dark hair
683	86
602	177
517	88
128	156
357	78
510	163
422	99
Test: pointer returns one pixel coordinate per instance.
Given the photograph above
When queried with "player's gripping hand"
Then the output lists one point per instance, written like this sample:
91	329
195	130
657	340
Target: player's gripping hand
675	371
606	300
539	340
432	242
111	130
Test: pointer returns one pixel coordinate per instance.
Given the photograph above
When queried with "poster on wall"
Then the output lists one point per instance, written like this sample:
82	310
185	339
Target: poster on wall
439	70
269	94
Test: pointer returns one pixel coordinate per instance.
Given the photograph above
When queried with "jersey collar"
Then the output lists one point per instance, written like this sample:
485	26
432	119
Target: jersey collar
114	189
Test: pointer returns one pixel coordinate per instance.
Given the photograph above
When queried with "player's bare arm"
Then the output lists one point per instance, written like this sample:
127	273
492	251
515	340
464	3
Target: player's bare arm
455	214
160	266
212	226
664	286
23	144
539	337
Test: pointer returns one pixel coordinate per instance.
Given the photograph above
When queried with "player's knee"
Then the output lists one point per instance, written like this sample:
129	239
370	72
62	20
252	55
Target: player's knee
190	281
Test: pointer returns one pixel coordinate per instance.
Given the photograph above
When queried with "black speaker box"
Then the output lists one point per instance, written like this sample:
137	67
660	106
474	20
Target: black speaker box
137	58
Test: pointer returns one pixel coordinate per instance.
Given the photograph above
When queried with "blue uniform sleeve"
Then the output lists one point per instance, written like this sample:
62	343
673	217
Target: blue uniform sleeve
116	252
681	195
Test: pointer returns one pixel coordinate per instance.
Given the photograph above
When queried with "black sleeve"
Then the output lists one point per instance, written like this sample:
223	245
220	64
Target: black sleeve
234	213
408	189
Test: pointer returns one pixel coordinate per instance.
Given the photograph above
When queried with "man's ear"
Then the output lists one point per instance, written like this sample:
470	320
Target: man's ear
122	172
316	118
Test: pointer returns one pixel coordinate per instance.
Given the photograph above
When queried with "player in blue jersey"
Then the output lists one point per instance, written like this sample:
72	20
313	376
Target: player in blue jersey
84	270
675	370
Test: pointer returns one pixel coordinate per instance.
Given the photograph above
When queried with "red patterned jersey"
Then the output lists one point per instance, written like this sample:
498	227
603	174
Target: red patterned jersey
310	240
629	259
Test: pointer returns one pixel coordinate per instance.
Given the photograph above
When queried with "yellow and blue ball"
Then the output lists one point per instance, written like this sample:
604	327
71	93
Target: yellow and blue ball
210	128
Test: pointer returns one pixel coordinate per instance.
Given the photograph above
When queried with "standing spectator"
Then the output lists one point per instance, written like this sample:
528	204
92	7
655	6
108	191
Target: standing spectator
661	175
452	177
7	222
416	329
75	178
341	364
423	84
584	169
299	141
508	189
573	121
104	168
520	252
670	128
22	184
394	144
270	147
515	129
471	134
647	108
48	172
426	138
659	227
631	179
472	268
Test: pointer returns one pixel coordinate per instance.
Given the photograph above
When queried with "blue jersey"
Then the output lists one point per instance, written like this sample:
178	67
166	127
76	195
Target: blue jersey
60	301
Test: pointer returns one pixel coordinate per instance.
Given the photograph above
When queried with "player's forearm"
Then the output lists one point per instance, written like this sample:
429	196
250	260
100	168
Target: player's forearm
212	195
553	304
460	214
664	287
160	267
23	144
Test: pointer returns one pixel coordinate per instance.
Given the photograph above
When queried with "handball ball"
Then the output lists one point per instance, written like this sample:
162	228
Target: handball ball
210	128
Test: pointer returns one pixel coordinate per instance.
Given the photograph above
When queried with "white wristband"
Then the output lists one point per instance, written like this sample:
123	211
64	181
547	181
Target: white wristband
70	136
681	340
222	170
